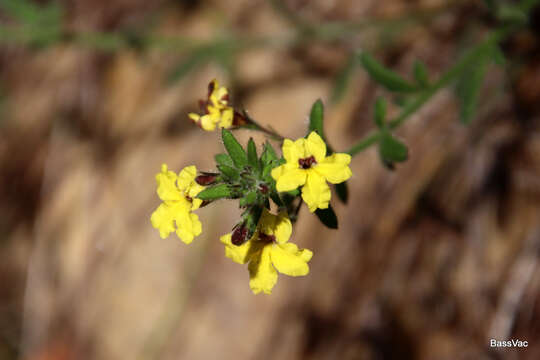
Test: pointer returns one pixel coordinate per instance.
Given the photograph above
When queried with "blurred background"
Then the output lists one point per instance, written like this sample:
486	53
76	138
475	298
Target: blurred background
430	261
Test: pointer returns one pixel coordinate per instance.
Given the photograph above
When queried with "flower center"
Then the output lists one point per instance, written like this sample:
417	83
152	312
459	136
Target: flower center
267	238
307	162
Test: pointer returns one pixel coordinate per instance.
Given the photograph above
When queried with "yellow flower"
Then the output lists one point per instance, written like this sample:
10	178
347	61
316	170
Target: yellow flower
217	111
307	165
178	196
268	251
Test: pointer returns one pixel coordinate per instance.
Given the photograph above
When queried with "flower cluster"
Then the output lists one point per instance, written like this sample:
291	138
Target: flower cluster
260	183
216	109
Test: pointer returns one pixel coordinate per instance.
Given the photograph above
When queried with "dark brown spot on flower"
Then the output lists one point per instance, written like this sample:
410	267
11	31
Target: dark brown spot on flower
306	163
225	98
267	238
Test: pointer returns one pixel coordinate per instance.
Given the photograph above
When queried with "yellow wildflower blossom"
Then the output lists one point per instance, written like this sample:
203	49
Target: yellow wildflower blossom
308	166
178	196
216	109
267	251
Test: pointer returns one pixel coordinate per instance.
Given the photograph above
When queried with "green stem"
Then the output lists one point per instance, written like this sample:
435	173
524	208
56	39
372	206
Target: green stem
447	78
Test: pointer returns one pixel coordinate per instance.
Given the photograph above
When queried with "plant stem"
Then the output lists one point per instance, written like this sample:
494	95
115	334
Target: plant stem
447	78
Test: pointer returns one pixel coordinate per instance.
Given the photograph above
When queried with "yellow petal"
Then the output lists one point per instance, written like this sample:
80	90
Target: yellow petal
166	185
288	178
282	228
292	151
226	118
262	274
196	203
186	177
243	253
278	225
335	168
189	226
163	220
195	117
315	146
289	260
207	123
316	192
305	254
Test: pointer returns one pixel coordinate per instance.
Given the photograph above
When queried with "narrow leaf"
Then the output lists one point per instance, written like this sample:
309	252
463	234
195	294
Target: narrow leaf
252	154
385	76
391	149
316	118
235	150
468	90
327	217
342	191
421	74
215	192
379	115
228	172
342	80
224	159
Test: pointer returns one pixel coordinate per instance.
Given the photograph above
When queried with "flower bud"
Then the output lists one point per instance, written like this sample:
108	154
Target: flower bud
239	235
206	179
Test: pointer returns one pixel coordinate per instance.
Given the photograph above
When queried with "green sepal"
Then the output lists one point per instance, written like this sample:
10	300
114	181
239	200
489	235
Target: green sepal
215	192
327	217
384	76
235	150
252	216
249	199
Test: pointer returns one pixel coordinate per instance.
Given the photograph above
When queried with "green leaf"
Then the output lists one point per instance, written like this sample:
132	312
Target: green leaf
497	55
22	10
379	115
252	154
249	199
392	150
269	154
215	192
342	191
224	159
421	74
468	90
342	80
235	150
511	14
385	76
228	172
316	117
327	217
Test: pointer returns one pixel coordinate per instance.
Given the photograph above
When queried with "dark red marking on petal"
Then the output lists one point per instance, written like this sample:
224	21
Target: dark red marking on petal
306	163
